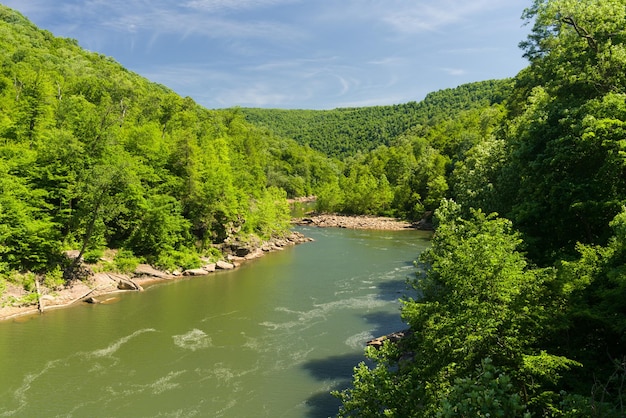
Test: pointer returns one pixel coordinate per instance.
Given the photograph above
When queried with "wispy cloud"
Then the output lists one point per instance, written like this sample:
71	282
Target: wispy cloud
199	17
293	53
422	15
238	5
454	71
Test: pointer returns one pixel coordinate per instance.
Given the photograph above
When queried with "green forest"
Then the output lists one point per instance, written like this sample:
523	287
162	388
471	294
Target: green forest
93	156
517	309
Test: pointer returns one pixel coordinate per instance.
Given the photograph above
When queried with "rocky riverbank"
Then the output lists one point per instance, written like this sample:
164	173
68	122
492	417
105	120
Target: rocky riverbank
360	222
101	287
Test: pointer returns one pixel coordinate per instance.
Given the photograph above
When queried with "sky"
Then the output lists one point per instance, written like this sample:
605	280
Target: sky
304	54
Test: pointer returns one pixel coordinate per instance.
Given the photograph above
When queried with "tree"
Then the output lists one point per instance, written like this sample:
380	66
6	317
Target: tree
478	299
106	192
28	237
577	47
564	178
595	285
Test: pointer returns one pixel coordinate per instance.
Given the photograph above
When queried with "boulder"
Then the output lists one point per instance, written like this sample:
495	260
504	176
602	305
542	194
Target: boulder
210	267
127	285
148	270
224	265
195	272
255	254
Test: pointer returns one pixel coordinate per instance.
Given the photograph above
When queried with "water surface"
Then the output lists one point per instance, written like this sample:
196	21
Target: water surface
271	338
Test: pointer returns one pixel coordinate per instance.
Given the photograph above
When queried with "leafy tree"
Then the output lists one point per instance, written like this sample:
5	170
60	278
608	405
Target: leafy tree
161	228
576	48
487	393
564	178
28	238
269	214
595	284
473	179
478	299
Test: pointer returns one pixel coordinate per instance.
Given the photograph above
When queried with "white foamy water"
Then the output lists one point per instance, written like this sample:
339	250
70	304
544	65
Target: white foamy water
193	340
357	341
110	350
320	312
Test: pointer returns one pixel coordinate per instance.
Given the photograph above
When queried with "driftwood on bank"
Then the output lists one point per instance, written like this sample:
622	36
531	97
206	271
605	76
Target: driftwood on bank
39	301
394	337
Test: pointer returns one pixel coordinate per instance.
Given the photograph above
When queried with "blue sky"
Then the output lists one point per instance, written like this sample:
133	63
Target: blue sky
307	54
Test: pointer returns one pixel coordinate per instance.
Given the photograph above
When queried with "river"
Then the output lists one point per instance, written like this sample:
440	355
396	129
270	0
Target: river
269	339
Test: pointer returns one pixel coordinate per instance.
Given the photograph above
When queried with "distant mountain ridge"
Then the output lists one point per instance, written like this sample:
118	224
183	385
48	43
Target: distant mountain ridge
345	131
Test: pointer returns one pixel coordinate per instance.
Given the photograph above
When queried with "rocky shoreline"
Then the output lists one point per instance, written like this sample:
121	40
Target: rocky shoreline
101	287
361	222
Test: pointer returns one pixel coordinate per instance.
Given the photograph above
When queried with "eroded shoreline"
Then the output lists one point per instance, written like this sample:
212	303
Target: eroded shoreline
102	287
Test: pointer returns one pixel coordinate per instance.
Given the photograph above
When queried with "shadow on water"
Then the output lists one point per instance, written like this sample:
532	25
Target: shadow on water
384	323
339	369
394	289
335	368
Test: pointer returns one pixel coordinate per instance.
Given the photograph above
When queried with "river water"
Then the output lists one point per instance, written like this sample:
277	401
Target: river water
269	339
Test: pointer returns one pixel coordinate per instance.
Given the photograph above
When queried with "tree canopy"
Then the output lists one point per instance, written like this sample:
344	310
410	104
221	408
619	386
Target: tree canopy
518	308
94	156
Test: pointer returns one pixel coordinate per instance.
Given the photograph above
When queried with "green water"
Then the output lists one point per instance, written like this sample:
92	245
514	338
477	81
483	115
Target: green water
271	338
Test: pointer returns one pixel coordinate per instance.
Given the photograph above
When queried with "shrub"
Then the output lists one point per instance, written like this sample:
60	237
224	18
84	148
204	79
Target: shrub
125	261
54	278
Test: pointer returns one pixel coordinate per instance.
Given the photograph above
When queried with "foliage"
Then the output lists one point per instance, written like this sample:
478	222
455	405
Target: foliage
53	279
94	156
564	178
172	260
596	286
487	393
478	299
125	261
269	214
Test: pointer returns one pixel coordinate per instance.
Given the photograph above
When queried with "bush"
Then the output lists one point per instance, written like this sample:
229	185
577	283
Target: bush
54	278
93	256
125	261
173	260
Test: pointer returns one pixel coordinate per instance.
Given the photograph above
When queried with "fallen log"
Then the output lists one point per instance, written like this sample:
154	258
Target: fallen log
394	337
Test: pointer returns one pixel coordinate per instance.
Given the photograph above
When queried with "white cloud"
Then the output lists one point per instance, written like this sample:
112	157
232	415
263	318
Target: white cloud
454	71
409	17
161	17
238	5
258	94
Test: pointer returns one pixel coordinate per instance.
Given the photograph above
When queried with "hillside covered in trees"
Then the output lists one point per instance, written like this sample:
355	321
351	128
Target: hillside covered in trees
393	160
93	156
346	131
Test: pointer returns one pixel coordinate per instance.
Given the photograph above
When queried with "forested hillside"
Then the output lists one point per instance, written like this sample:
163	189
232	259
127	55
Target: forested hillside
347	131
93	156
519	307
394	160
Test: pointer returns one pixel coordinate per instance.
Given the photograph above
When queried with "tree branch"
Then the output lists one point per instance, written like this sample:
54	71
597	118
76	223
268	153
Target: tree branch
582	32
